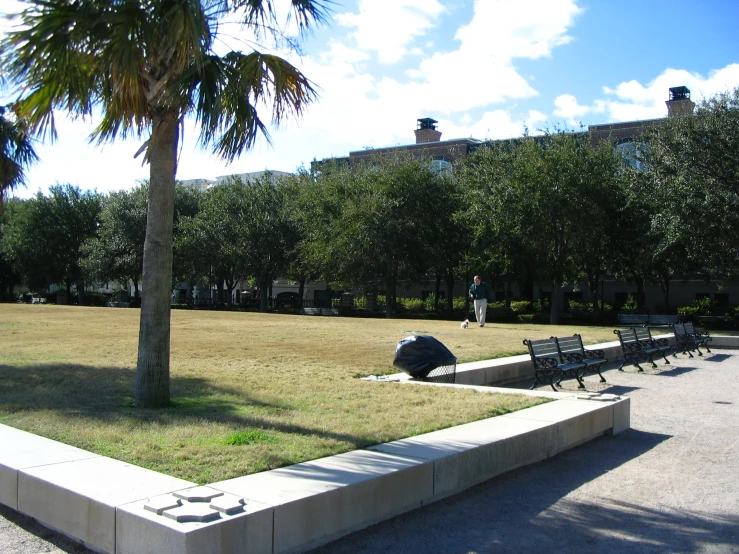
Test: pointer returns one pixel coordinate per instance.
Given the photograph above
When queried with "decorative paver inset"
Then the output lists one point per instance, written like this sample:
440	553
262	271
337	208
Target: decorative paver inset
192	512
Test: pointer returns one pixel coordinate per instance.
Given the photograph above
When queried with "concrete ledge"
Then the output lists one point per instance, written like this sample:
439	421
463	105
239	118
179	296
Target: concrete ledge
116	507
238	526
323	499
21	450
79	498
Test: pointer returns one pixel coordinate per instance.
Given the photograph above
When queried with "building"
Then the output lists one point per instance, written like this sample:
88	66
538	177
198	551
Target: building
626	137
443	153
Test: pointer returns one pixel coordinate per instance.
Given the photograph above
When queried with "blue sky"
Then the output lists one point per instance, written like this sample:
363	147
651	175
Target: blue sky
483	69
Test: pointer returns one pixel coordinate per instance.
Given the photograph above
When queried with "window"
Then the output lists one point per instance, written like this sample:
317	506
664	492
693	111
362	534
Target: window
721	299
631	151
441	165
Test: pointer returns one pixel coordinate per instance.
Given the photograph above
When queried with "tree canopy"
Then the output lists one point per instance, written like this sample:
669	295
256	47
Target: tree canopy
146	65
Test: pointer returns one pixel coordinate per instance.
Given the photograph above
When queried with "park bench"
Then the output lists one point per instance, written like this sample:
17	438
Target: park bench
644	335
684	341
656	320
636	347
321	311
571	349
630	320
548	365
701	337
38	300
646	320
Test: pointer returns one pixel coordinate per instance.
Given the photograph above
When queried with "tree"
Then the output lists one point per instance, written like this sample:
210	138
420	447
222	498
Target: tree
373	224
147	65
43	236
692	170
532	201
16	152
268	232
9	277
117	253
210	243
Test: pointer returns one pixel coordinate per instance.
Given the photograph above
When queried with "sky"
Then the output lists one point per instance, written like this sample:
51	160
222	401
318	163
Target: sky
485	69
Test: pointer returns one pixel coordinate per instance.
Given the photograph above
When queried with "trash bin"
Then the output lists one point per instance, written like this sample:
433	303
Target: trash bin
424	357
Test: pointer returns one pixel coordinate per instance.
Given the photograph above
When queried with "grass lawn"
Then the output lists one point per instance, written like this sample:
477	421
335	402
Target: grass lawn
250	391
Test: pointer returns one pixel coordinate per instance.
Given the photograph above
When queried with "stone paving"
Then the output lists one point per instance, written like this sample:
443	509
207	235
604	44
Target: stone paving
666	485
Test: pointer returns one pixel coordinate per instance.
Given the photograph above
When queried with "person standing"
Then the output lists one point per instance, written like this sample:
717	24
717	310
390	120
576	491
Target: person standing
479	293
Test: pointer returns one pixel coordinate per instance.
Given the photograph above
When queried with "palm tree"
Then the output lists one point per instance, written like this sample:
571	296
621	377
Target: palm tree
148	64
16	153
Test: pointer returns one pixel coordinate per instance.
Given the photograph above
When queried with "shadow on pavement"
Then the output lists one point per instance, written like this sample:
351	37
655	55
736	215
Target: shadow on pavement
717	357
45	535
509	513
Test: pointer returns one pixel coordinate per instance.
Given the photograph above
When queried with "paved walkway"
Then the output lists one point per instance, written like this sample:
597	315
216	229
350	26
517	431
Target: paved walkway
669	484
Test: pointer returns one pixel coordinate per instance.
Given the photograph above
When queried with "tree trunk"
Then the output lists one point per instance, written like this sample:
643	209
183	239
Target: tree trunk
390	285
263	294
301	291
450	292
556	303
437	288
152	370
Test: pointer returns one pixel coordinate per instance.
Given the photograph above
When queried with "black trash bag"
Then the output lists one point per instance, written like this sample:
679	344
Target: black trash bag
420	355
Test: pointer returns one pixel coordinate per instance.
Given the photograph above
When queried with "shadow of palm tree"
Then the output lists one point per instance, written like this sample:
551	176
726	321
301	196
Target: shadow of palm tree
105	394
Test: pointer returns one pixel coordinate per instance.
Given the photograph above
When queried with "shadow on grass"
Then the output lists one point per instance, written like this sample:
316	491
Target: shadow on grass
106	394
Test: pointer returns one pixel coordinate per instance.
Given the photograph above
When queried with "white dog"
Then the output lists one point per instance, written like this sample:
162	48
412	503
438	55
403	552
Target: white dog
464	324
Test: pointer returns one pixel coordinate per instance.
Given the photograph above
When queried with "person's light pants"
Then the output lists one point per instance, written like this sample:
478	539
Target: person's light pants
481	308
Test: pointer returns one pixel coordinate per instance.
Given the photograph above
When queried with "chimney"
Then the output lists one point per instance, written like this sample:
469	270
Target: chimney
679	103
426	131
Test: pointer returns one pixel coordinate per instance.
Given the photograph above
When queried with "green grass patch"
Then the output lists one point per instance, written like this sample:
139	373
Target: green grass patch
250	392
248	437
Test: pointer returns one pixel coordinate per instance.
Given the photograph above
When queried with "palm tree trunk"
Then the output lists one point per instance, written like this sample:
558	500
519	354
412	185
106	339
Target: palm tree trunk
152	371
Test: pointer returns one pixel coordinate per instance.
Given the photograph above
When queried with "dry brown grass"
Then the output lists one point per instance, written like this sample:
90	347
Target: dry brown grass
250	391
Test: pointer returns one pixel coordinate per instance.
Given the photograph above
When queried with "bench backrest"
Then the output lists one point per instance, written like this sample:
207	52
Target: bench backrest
644	335
628	340
569	346
544	353
633	319
679	329
665	320
689	328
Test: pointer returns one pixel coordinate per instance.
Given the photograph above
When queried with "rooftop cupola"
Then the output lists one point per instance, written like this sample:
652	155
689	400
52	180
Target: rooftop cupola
679	102
426	131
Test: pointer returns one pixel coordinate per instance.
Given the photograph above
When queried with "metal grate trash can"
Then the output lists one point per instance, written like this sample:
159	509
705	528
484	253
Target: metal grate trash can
424	357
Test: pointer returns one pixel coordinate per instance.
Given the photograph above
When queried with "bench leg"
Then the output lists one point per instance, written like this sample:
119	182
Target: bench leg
602	379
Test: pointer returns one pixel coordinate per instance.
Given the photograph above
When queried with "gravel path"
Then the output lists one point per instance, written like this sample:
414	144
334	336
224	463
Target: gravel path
669	484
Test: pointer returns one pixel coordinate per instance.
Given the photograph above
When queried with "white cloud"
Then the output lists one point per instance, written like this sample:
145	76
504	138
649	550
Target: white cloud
508	29
566	107
388	27
634	101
